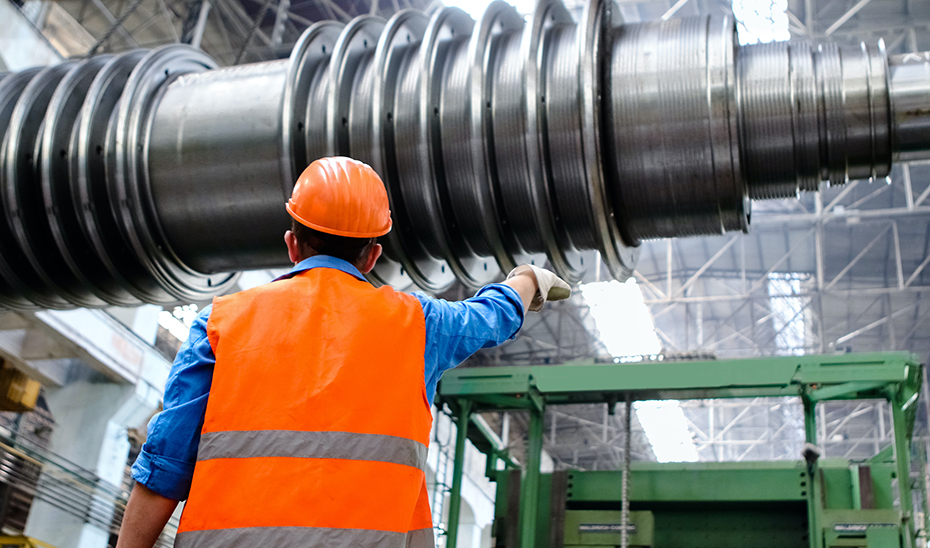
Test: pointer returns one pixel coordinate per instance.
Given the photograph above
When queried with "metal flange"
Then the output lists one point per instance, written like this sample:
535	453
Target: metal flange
130	191
401	35
566	261
91	157
19	192
68	257
14	292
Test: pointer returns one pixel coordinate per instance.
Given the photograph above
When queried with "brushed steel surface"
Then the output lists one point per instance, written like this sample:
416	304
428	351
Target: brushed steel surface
235	161
133	194
910	80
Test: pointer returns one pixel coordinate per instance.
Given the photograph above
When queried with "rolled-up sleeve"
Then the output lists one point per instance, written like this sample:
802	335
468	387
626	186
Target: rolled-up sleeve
456	330
166	463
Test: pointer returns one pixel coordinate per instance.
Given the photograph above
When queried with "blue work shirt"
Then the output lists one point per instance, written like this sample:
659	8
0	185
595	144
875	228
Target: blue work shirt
454	331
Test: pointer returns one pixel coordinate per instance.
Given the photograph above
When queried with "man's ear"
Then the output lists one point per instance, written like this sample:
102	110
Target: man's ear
293	247
373	255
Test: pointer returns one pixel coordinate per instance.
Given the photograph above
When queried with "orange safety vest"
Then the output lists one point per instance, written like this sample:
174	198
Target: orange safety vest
317	424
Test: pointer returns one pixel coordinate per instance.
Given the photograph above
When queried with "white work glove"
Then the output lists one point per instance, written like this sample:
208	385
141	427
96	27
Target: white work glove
551	287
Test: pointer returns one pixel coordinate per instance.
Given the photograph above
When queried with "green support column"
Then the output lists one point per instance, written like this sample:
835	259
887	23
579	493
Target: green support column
924	490
455	496
814	497
529	493
902	459
856	486
810	420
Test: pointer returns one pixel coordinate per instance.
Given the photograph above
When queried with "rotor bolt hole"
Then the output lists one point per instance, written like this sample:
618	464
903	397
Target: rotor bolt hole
542	99
63	153
443	269
324	49
390	116
345	121
300	126
436	111
488	104
99	149
408	38
364	43
166	72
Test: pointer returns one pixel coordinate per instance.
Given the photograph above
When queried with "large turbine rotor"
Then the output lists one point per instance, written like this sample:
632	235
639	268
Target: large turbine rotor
150	176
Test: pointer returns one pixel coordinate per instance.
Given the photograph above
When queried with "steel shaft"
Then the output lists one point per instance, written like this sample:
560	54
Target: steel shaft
153	176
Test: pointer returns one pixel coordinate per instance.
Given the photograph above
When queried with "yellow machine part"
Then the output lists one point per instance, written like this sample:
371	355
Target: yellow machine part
21	541
18	392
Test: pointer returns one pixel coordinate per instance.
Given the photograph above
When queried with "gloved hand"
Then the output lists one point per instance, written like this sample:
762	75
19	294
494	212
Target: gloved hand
551	287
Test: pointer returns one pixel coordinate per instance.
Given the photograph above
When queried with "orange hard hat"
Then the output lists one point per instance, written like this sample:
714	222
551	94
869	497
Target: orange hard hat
343	197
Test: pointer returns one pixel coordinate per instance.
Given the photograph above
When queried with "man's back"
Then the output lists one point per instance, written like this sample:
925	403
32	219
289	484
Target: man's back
330	345
317	416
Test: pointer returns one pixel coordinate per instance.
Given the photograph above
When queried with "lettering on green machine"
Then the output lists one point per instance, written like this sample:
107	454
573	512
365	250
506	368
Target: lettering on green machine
606	528
860	527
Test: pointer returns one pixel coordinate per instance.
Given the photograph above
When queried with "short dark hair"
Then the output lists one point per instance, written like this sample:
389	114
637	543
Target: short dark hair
351	250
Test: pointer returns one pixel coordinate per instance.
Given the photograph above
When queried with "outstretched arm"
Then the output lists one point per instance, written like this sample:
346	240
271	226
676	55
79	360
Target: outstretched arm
145	517
525	285
455	330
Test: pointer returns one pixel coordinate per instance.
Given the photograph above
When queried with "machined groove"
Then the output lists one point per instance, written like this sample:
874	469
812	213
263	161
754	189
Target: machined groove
18	190
564	258
111	261
61	223
151	176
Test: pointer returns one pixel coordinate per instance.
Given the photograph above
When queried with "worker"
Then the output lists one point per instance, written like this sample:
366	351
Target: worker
298	413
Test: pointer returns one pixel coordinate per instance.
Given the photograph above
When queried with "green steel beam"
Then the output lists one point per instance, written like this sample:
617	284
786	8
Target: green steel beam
855	487
885	455
853	375
455	495
488	442
858	389
902	456
529	491
695	482
814	492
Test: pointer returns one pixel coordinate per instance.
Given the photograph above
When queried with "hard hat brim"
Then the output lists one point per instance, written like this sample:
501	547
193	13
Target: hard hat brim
345	233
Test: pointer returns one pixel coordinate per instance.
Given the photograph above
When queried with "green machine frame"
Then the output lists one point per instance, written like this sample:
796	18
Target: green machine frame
820	503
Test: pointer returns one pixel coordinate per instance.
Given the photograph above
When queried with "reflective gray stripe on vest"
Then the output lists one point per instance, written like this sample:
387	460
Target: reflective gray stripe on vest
421	538
295	537
312	445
